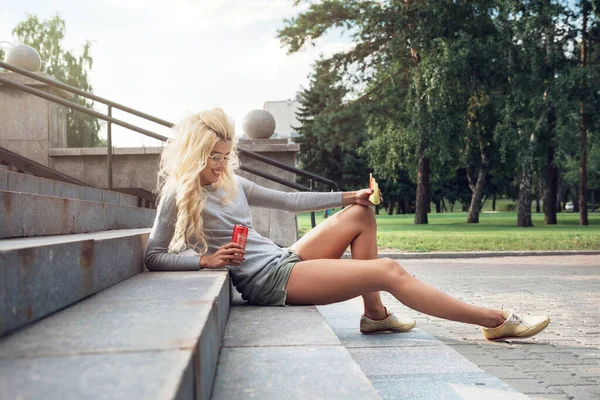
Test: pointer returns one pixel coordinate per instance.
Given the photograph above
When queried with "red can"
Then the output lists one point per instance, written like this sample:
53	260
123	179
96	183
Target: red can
240	235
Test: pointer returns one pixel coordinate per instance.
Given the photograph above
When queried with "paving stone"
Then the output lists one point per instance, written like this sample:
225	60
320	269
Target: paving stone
277	326
486	361
586	371
565	287
535	365
470	348
445	386
583	392
565	378
344	321
423	360
531	386
506	371
297	372
353	338
547	396
150	375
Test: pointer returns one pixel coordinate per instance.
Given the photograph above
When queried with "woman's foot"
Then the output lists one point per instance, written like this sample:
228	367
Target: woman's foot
516	326
391	323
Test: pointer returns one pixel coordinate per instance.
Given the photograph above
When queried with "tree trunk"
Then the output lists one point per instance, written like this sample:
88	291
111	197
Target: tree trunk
376	210
390	208
401	209
477	189
574	198
560	198
422	204
524	213
551	195
438	206
593	200
452	207
583	213
445	209
494	202
537	197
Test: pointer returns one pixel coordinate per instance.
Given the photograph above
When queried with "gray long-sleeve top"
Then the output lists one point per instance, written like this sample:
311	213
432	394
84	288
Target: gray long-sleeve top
262	255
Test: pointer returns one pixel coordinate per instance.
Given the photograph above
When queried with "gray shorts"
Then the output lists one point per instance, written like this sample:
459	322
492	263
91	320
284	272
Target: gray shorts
273	292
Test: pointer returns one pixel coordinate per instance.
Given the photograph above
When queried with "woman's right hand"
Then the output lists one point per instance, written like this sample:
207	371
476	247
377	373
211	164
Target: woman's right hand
229	254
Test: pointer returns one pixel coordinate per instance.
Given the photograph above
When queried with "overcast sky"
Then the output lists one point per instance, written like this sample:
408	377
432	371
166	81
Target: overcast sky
171	58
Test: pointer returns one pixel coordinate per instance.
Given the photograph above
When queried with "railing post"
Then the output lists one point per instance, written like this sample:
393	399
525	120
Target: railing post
109	150
313	223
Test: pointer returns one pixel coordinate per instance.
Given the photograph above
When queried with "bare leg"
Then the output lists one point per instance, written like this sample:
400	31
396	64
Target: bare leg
354	226
332	281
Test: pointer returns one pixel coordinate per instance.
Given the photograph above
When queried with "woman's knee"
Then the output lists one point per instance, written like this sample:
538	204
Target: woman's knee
364	216
393	270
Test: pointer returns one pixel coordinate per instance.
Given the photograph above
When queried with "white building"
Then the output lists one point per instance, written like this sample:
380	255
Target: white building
284	112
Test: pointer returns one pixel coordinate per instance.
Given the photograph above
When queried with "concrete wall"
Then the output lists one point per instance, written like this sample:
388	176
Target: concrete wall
137	168
284	112
30	125
279	226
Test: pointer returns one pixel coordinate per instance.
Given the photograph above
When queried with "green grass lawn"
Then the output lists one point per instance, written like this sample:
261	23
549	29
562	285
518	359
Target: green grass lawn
495	231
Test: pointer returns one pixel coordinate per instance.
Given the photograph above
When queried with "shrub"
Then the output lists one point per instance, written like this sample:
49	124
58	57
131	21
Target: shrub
508	207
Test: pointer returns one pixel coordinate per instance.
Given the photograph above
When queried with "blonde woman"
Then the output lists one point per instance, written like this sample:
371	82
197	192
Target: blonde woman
201	199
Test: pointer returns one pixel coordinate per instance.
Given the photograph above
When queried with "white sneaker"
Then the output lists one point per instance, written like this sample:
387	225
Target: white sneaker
392	323
516	326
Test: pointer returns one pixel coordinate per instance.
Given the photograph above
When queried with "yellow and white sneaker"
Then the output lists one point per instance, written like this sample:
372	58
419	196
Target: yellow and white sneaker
516	326
392	323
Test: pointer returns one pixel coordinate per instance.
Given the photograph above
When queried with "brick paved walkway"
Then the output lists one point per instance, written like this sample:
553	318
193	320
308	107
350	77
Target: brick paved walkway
563	362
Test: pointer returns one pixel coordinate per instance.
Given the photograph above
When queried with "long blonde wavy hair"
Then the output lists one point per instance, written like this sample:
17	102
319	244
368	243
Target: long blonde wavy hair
184	157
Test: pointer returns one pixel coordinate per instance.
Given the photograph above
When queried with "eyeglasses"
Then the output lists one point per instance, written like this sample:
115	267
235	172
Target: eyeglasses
218	158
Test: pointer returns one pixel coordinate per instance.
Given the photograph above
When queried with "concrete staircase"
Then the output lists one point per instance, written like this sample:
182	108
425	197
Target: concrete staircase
79	317
285	353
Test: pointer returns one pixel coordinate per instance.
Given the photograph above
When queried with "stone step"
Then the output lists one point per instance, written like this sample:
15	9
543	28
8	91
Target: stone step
285	353
27	214
412	365
154	336
41	275
17	182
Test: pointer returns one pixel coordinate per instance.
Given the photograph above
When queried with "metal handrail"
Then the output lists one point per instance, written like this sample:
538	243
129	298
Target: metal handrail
77	107
34	167
72	89
286	167
111	120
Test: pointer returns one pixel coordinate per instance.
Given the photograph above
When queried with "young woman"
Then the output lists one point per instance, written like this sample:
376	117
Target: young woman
201	200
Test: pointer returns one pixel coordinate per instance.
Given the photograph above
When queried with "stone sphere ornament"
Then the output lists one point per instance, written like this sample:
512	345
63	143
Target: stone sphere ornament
258	124
23	56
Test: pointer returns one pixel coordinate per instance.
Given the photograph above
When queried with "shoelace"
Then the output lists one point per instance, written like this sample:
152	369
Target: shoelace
515	318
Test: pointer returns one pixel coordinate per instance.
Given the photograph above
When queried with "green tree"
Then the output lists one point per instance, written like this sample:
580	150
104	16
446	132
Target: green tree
538	59
395	58
330	133
47	38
